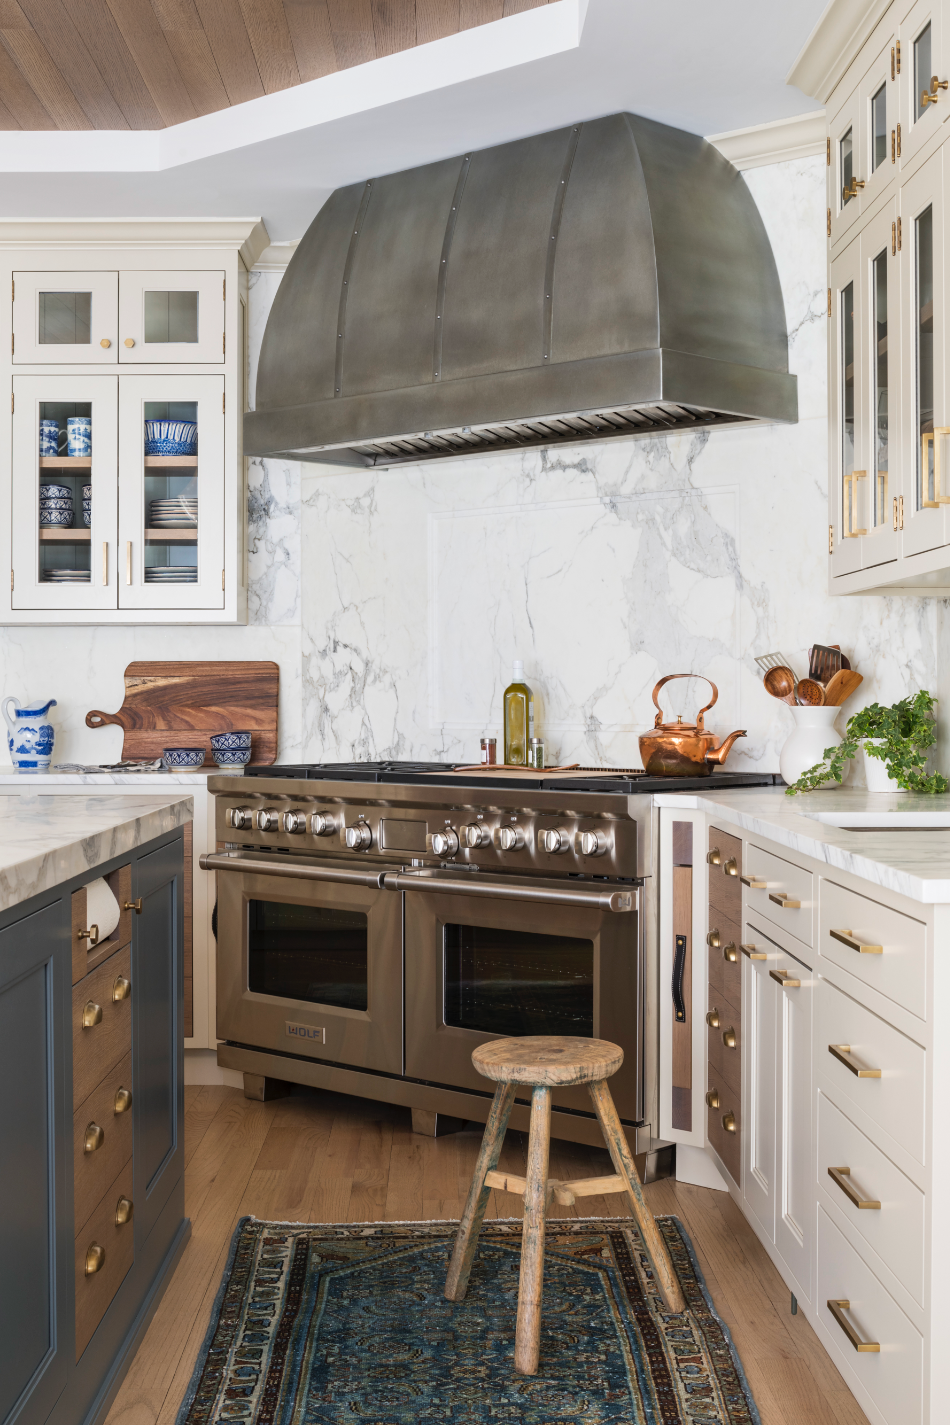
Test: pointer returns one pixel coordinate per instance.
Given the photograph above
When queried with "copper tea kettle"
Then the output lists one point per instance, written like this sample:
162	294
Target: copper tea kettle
683	749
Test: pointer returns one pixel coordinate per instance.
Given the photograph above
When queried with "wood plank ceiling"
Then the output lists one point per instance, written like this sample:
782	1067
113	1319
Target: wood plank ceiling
144	64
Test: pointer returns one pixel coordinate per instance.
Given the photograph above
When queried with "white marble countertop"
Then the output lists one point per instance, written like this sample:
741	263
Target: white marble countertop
915	863
47	840
35	781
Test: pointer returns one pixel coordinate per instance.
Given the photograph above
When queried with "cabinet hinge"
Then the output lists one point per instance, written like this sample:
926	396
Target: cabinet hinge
893	70
828	152
898	140
894	516
898	56
900	512
831	539
898	234
828	224
829	301
222	578
893	144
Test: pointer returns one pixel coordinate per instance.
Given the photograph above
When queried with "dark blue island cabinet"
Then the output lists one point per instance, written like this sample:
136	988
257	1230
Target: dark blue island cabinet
91	1157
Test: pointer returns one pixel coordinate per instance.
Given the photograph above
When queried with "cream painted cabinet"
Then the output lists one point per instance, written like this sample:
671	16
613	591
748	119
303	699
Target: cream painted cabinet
172	316
759	1108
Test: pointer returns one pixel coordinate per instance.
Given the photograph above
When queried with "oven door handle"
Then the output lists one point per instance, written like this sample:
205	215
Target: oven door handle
221	861
591	899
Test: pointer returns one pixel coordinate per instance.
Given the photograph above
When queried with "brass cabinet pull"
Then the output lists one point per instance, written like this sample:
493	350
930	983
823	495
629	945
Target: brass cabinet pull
121	988
784	978
92	935
712	1019
755	883
93	1138
91	1014
123	1211
837	1309
785	901
729	953
123	1101
135	905
712	1098
842	1052
929	96
729	1122
713	940
729	1038
730	868
713	857
751	953
95	1259
853	189
840	1177
847	937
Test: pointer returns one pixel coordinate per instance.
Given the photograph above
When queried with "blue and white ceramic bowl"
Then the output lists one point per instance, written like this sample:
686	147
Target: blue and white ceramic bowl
171	438
87	515
178	759
49	491
79	435
236	757
230	741
55	502
61	519
87	492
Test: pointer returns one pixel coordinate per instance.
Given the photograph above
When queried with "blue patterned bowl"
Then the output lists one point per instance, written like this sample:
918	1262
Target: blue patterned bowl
61	519
54	502
171	438
178	759
236	757
49	491
230	741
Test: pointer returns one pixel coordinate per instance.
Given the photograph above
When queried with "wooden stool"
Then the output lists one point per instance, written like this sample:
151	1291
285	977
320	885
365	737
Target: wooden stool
547	1063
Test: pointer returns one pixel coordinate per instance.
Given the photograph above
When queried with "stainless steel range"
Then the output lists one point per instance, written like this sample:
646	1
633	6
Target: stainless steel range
377	922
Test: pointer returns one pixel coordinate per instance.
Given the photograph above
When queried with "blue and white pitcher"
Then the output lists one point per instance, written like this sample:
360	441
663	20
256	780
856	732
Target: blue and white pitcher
31	735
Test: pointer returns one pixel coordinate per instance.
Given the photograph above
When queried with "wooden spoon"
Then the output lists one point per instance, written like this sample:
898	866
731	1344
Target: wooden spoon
841	686
780	682
811	694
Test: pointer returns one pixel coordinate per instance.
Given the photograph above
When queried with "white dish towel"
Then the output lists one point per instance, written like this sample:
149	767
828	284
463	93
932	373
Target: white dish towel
102	908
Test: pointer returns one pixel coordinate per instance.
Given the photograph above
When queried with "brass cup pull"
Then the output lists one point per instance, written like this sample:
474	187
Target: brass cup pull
785	979
730	953
837	1309
729	1122
847	937
840	1177
731	868
93	1138
135	905
92	935
729	1038
95	1259
755	883
842	1052
713	940
785	901
91	1014
121	988
712	1019
123	1211
712	1098
751	953
713	857
123	1101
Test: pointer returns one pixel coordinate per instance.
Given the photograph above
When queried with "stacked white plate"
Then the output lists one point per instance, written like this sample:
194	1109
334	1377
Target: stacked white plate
66	576
173	514
171	574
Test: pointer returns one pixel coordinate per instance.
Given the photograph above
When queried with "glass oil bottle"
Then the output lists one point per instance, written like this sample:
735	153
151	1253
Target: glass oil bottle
519	718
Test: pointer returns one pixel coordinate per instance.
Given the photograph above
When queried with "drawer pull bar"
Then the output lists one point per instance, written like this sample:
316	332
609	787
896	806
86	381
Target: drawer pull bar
123	1211
847	938
729	1122
121	989
123	1101
784	978
729	1038
712	1019
92	935
135	905
785	901
95	1259
840	1176
751	953
838	1309
93	1138
730	868
713	940
842	1052
729	953
755	883
712	1098
91	1014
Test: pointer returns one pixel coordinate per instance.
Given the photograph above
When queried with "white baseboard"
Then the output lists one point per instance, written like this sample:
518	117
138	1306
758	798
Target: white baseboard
694	1165
202	1067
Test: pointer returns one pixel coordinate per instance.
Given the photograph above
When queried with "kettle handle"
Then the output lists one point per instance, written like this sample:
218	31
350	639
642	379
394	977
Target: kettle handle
669	679
11	724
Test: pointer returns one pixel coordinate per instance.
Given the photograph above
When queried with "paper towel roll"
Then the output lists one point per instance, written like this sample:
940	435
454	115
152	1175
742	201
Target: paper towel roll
102	908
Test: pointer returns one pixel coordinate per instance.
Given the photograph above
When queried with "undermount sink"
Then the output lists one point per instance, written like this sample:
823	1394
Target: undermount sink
883	820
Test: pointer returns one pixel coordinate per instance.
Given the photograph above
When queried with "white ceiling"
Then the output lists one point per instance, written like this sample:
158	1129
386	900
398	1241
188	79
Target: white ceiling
708	68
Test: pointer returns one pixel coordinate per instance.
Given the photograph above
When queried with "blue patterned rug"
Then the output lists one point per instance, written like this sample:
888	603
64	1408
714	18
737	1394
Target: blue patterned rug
347	1325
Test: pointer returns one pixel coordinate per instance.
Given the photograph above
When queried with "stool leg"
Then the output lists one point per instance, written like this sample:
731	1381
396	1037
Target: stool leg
531	1283
619	1149
466	1241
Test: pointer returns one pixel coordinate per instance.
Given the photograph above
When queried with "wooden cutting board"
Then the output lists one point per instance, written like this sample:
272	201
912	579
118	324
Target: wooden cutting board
182	704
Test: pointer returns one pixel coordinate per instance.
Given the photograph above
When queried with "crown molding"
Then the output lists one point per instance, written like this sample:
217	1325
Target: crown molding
276	257
842	29
248	235
799	137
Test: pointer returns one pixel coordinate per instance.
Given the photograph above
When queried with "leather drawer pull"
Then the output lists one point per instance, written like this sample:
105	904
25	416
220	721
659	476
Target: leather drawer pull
842	1052
846	938
837	1309
839	1176
784	978
786	902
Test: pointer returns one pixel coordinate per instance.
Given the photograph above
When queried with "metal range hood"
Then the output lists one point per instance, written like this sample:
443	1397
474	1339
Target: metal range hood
609	278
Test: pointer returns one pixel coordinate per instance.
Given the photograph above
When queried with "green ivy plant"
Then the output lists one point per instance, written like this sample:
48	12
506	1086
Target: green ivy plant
904	732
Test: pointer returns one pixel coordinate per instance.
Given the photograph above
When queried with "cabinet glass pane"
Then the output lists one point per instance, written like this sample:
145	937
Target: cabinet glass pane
170	502
64	318
847	406
879	367
171	316
923	71
879	128
846	167
924	257
64	441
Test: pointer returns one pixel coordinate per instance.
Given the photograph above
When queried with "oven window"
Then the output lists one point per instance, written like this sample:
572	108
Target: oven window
307	952
518	982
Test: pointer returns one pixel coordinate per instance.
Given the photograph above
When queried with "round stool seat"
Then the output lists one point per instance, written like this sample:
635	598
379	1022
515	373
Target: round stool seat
548	1060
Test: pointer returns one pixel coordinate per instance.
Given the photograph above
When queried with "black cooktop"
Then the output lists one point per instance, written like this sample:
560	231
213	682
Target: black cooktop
447	774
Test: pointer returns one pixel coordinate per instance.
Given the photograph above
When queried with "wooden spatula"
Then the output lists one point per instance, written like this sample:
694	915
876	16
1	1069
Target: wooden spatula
841	686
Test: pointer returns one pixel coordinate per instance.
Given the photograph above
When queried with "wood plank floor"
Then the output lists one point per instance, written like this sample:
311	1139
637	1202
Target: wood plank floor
321	1157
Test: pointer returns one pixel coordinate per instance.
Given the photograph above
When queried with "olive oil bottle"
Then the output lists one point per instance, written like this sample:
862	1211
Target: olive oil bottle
519	718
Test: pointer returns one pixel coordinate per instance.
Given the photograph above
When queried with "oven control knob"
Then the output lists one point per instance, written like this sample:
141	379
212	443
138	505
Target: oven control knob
240	817
475	835
509	838
554	840
590	843
267	820
294	820
358	837
322	824
443	843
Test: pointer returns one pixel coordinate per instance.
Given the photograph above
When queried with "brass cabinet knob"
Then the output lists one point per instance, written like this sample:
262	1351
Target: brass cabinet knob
730	953
93	1138
712	1098
712	940
91	1014
123	1101
713	856
731	867
123	1211
729	1038
729	1122
92	935
121	988
130	341
712	1019
105	343
95	1259
135	905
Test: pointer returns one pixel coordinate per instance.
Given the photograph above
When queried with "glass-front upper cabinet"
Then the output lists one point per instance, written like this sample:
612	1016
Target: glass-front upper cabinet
171	316
847	169
880	492
847	369
864	144
64	492
65	317
925	95
171	492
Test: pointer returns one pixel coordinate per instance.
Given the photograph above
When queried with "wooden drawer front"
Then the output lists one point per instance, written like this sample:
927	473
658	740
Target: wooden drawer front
896	1099
726	1144
93	1171
100	1048
893	1376
725	1062
899	971
725	888
94	1293
725	974
782	879
895	1230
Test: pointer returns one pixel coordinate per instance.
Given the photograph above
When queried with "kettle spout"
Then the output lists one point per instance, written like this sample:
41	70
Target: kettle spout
720	753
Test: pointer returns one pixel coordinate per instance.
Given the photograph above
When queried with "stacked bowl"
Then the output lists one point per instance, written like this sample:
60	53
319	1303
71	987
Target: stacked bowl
56	505
231	749
171	438
87	505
